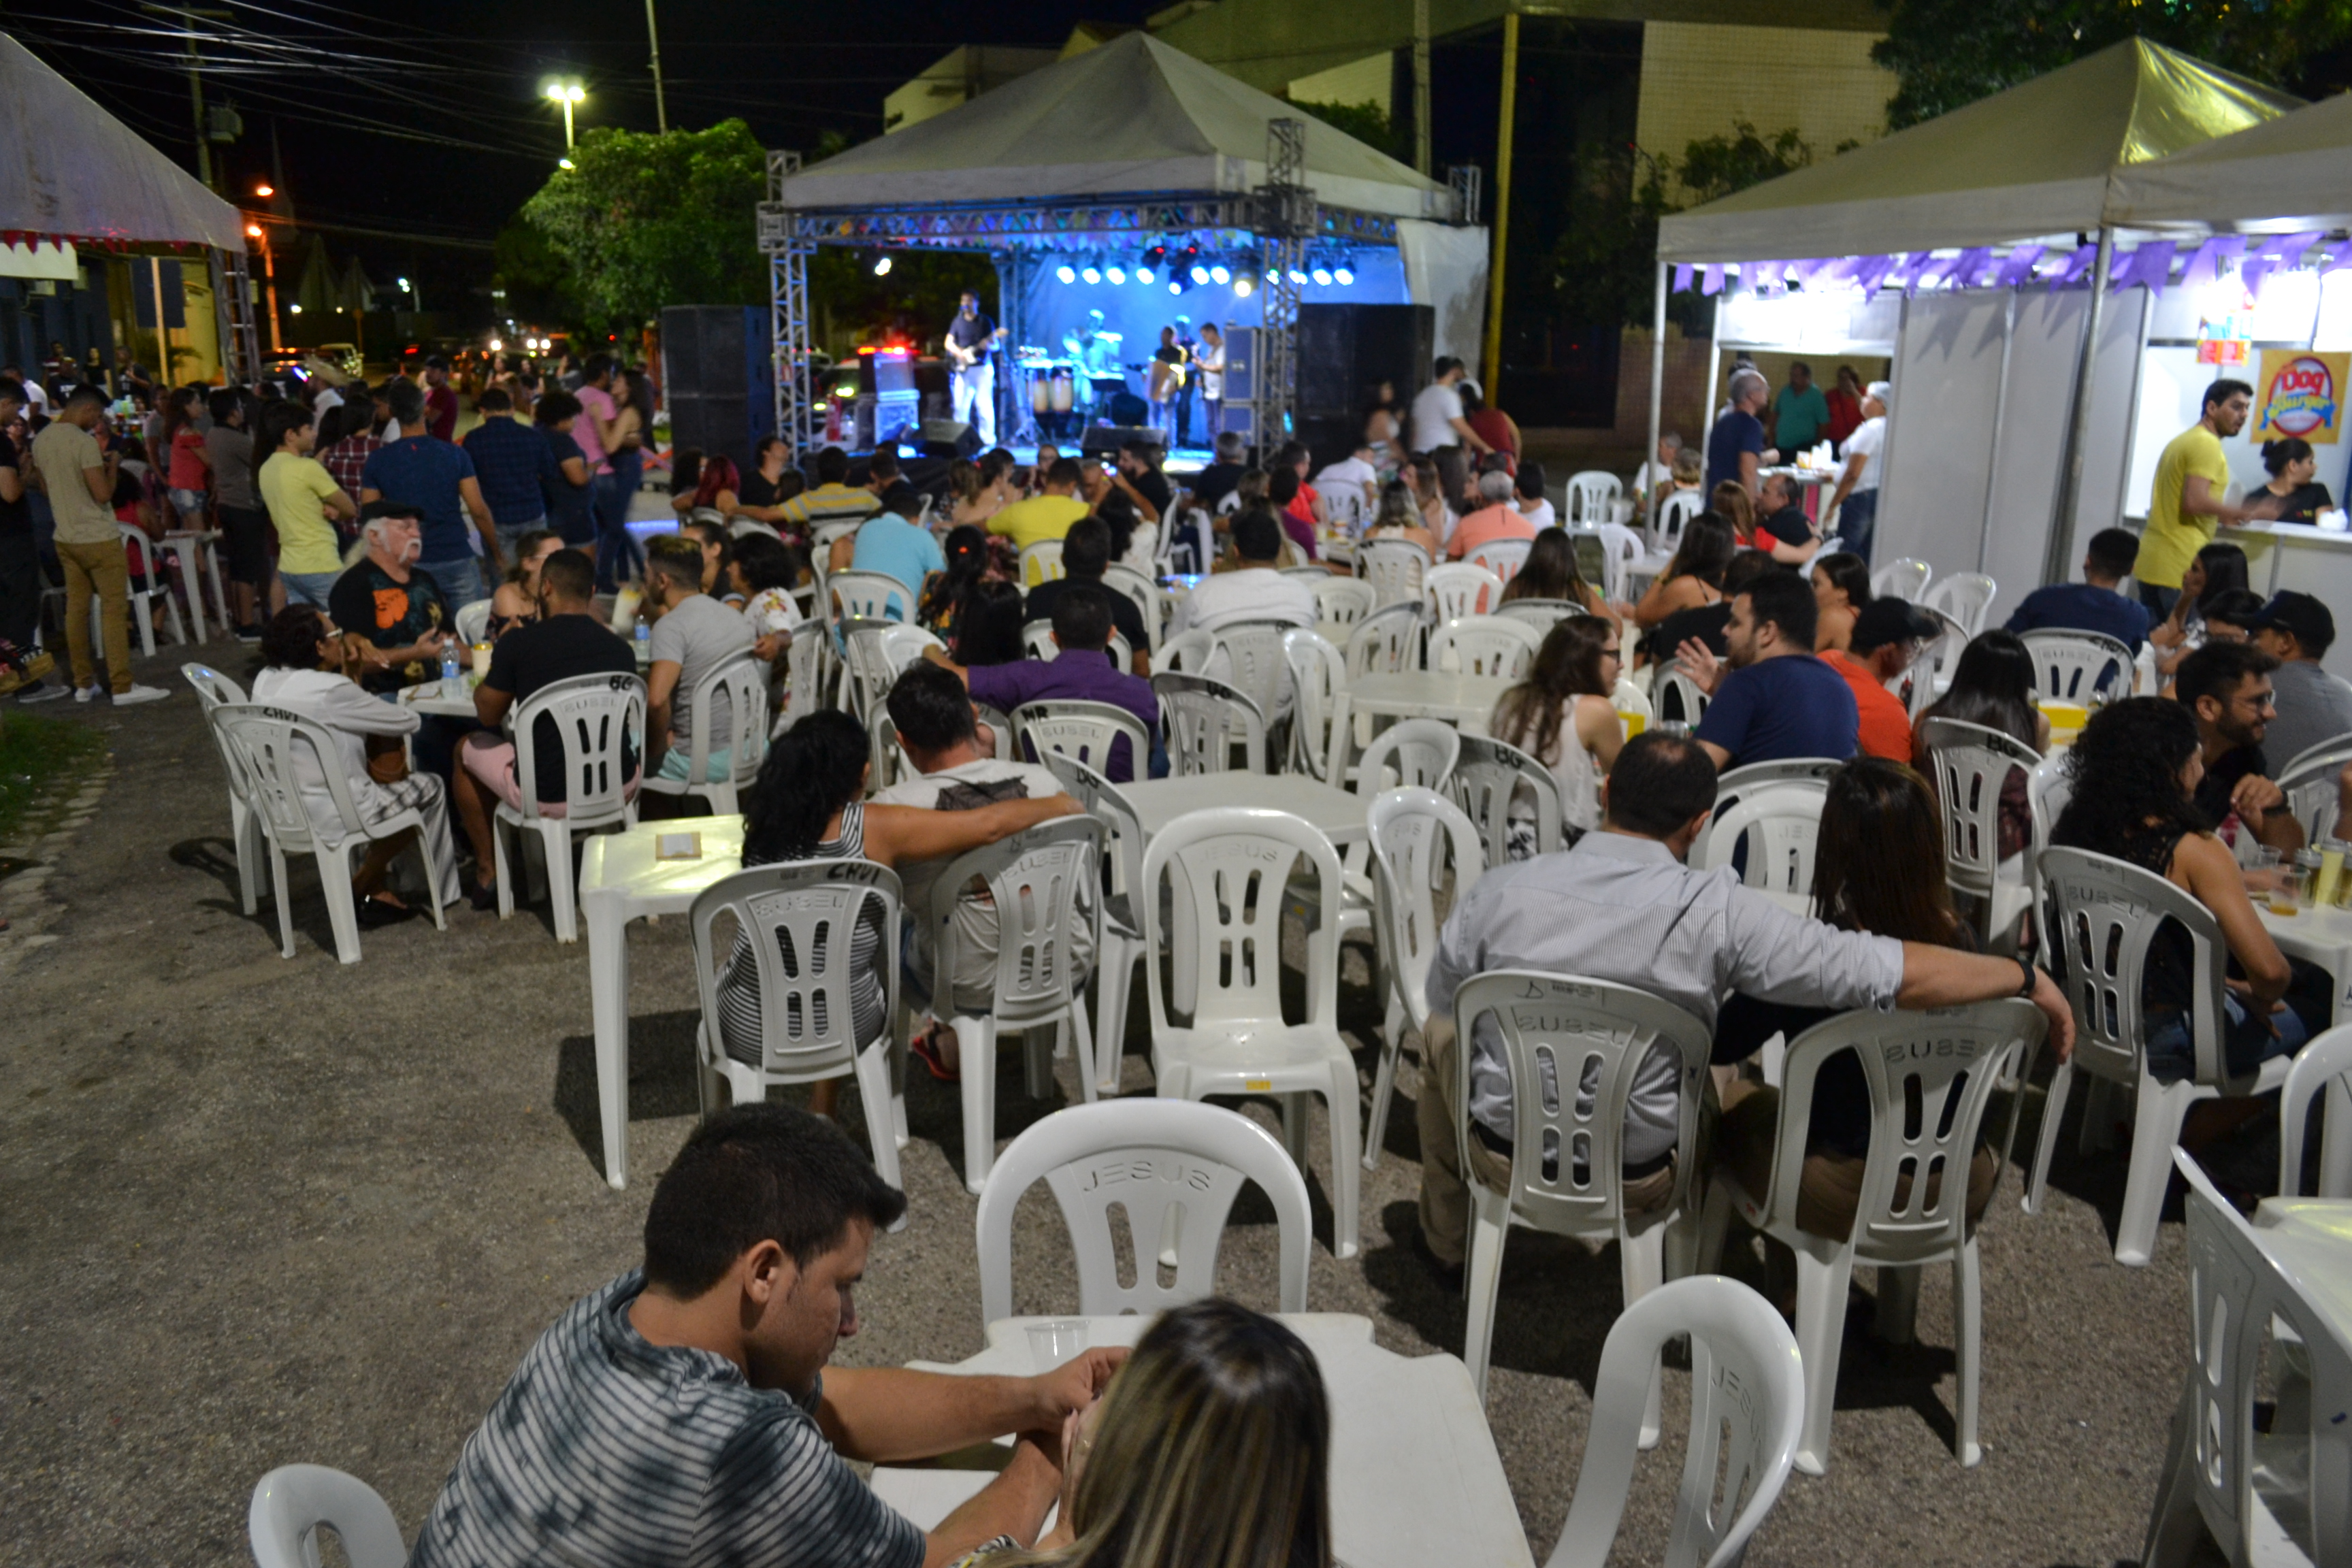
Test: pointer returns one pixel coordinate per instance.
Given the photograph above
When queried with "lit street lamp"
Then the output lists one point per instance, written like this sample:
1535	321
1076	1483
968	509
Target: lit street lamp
567	93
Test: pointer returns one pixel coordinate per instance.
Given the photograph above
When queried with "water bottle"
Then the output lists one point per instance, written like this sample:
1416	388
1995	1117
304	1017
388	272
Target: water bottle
448	664
645	635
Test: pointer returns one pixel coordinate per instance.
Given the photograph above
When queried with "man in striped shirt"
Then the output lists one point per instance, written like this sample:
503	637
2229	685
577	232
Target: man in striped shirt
681	1415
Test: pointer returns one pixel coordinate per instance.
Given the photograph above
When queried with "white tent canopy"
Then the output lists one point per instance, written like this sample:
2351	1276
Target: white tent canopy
2287	175
69	170
2025	164
1131	117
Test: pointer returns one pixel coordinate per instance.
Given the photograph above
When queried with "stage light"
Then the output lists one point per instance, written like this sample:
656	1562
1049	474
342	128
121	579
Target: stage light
1342	276
1175	287
1117	274
1155	256
1322	276
1297	276
1145	276
1199	274
1067	273
881	267
1219	275
1092	275
1243	286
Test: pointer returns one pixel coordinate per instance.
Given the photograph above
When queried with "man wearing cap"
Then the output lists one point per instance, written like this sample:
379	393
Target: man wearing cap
2314	706
1886	637
1857	485
2094	604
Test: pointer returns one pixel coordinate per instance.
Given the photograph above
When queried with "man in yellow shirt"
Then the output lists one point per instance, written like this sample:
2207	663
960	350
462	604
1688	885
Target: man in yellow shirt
2186	507
1044	517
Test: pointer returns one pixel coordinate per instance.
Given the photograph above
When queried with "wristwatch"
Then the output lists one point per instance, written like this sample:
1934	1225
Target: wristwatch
2031	976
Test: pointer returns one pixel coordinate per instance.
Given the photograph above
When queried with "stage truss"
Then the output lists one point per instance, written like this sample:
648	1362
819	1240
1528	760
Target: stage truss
1280	219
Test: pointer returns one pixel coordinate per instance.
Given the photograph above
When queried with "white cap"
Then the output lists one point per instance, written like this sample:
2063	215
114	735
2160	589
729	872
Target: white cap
1885	392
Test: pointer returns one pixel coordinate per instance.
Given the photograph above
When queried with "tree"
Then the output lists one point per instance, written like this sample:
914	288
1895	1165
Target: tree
1947	53
1368	122
643	221
537	283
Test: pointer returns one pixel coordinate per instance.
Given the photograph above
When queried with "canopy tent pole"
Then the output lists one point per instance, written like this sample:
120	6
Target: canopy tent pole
2058	551
1491	361
1657	395
1714	358
1999	411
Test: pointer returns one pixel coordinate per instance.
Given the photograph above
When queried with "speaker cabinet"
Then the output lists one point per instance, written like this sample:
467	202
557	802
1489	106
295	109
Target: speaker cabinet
715	378
1345	352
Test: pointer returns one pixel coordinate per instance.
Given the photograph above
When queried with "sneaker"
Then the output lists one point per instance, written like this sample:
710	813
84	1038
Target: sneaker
139	694
87	693
249	634
40	691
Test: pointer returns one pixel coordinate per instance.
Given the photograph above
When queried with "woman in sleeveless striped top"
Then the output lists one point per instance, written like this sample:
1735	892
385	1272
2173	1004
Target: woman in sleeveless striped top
805	806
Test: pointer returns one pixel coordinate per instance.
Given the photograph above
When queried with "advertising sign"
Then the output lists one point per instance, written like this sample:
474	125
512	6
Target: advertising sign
2300	393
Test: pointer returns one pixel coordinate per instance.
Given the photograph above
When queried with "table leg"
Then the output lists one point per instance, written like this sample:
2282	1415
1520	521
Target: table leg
220	592
190	575
608	989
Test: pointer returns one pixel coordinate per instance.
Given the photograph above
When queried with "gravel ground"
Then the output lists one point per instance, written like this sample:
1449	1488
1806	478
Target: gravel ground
261	1210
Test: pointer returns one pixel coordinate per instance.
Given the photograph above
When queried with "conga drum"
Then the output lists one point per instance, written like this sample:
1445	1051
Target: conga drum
1041	393
1064	396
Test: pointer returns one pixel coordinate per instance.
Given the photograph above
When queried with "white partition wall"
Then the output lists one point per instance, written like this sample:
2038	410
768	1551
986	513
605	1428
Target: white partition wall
1940	436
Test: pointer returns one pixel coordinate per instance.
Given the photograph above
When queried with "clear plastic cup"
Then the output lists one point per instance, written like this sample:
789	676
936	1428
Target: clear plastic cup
1053	1341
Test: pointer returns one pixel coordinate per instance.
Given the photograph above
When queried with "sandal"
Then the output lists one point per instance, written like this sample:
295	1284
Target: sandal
376	911
925	1050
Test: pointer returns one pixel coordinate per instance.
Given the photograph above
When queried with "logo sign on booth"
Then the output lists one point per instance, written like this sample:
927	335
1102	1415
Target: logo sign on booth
2302	394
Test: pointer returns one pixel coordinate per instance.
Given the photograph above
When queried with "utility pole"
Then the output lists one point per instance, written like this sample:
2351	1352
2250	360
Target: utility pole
653	37
1491	363
187	15
1421	86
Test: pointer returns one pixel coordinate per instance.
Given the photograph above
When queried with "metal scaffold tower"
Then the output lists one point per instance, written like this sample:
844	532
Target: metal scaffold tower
1286	218
788	314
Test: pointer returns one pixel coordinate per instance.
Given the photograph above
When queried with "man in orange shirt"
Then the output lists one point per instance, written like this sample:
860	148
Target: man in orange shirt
1886	637
1498	519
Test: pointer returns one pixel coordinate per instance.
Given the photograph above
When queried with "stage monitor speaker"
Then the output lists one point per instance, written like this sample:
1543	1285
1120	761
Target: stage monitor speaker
716	377
1105	440
1345	352
1126	408
950	438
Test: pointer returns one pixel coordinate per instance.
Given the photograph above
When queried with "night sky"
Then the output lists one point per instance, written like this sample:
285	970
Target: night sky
431	125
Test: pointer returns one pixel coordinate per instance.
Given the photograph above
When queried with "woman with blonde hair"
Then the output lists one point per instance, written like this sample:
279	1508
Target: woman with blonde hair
1730	501
1400	518
1211	1448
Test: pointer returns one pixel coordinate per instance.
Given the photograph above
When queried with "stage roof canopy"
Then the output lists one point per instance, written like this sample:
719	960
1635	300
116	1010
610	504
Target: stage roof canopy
2027	163
72	170
2289	175
1130	118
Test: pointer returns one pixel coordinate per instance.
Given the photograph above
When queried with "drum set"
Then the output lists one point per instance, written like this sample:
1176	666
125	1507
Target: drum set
1066	390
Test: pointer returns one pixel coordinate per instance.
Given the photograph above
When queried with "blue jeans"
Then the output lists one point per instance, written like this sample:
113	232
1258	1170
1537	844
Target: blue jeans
309	588
460	580
2159	601
511	535
1857	521
2247	1041
616	547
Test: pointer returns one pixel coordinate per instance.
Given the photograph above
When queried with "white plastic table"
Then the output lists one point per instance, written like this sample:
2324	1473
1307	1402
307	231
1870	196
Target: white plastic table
198	551
1415	1479
2312	1238
621	881
1340	816
1466	701
435	698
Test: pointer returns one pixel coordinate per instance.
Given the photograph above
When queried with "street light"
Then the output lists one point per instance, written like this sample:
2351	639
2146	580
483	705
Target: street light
265	192
567	93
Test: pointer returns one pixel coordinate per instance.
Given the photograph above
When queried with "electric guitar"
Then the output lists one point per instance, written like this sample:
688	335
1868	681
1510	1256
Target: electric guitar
964	358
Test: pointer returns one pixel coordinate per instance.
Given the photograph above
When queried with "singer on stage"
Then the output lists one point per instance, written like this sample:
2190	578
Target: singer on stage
969	338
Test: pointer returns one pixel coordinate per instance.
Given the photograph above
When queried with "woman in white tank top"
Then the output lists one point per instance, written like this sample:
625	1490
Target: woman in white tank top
1560	715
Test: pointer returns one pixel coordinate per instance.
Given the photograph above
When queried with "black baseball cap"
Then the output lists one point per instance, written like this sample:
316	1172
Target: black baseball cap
2304	617
1891	620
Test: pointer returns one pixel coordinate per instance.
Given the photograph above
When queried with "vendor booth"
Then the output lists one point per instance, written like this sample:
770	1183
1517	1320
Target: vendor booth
1977	253
1120	191
78	187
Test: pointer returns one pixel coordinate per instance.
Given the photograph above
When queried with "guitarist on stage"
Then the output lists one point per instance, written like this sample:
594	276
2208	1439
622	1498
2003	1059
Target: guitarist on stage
969	338
1166	371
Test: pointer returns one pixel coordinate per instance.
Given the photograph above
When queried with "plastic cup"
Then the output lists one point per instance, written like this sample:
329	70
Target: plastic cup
1635	723
1055	1341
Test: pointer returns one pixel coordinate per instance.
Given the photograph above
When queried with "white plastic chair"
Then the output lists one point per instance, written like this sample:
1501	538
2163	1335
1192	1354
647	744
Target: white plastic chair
1968	764
1503	557
1388	641
597	717
1736	781
262	739
1930	672
1345	601
1676	696
1493	646
1037	642
743	680
1122	926
1673	512
1036	878
1412	830
2068	667
1747	1405
1574	1047
1236	1039
293	1501
1592	498
1420	751
798	921
1041	562
2323	1063
1488	777
1541	614
871	597
472	622
874	652
2273	1494
1248	656
1396	568
807	668
1620	560
1630	701
2109	912
1782	824
215	689
1083	730
1173	1167
1965	596
1459	588
1931	1076
1318	724
2311	786
1204	721
159	585
1143	593
1904	579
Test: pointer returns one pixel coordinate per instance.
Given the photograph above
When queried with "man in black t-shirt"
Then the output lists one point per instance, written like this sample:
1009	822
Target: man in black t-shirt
564	642
1781	525
973	375
389	605
1085	553
2227	685
20	553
